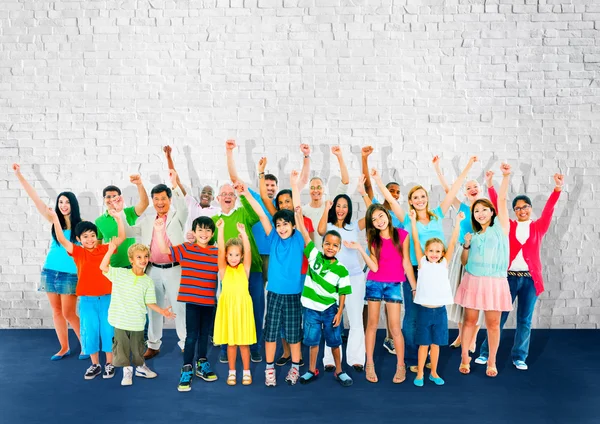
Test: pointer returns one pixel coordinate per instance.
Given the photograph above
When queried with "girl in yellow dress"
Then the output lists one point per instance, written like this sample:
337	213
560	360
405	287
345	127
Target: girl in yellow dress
234	323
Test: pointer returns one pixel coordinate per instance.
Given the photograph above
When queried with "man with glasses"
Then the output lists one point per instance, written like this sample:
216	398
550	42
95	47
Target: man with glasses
107	226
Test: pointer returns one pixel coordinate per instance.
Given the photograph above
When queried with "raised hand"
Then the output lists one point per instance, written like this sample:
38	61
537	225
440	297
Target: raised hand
489	178
375	174
230	144
435	160
294	176
220	224
17	168
328	204
473	159
159	225
559	180
468	238
459	217
241	229
262	164
135	179
336	151
361	185
298	210
366	151
173	177
241	188
352	245
412	215
116	214
190	237
167	150
305	149
52	213
117	204
506	169
112	247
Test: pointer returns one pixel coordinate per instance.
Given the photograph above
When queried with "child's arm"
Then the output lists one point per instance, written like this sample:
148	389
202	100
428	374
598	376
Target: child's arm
143	203
454	236
322	227
159	227
247	252
396	208
60	235
221	259
415	236
265	221
370	260
233	175
39	204
337	319
170	165
305	172
363	194
120	226
464	257
112	247
407	265
365	152
443	182
337	152
300	225
262	186
166	312
502	208
451	195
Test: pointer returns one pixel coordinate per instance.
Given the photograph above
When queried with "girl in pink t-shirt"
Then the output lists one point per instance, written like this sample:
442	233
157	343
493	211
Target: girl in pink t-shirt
388	262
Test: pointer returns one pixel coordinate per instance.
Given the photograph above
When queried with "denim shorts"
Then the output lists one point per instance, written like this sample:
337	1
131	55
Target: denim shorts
432	326
96	333
317	323
376	291
57	282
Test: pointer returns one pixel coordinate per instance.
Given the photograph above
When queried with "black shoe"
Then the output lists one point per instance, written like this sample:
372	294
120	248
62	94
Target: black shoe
109	370
93	371
185	381
256	357
283	360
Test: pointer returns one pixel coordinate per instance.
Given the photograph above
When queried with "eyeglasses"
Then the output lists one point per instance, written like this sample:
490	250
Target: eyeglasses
109	197
227	194
316	188
522	208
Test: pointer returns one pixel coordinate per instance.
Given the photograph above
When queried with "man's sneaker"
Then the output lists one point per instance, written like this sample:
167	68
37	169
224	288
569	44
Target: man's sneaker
292	376
93	371
204	371
144	371
283	360
270	377
109	370
389	345
481	360
127	379
520	365
223	357
256	356
185	381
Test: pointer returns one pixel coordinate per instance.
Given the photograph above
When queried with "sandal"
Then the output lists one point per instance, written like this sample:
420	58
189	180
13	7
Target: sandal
247	379
370	373
309	376
455	344
465	368
344	379
491	371
400	375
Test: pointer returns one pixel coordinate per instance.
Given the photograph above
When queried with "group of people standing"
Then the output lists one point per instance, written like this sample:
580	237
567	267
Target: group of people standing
309	261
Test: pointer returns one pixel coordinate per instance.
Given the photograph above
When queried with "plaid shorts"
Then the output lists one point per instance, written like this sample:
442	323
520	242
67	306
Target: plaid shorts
283	310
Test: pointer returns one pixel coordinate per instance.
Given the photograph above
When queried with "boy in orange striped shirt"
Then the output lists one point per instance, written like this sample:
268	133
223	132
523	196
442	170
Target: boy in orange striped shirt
198	289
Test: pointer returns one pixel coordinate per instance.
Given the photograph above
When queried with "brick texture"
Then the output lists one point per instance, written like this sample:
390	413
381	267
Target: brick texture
90	90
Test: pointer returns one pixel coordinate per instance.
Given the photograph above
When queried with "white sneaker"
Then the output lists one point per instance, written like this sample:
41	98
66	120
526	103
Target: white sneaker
127	376
144	371
520	365
481	360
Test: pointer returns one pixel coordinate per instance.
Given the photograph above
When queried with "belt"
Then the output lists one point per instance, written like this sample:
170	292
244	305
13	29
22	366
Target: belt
165	266
519	274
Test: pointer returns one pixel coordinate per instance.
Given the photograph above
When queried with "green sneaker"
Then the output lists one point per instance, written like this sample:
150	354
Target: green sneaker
185	381
204	371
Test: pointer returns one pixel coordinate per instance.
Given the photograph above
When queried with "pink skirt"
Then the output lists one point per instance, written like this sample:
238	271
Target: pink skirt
484	293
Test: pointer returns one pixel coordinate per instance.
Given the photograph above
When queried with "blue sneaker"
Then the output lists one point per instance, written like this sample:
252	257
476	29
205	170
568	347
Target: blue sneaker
437	380
185	381
59	357
204	371
389	345
520	365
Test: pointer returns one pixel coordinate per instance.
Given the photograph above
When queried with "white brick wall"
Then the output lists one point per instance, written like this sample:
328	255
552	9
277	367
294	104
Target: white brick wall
90	90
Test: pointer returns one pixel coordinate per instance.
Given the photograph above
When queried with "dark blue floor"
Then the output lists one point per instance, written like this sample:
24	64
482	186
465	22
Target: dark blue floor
561	386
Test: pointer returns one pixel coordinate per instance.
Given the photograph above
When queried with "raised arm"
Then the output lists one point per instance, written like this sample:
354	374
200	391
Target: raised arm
265	221
305	172
60	235
221	259
415	236
120	227
170	165
546	217
112	247
502	195
300	225
322	227
233	175
464	257
181	210
143	203
451	194
247	252
370	260
454	237
337	152
39	204
443	182
262	186
159	227
396	208
360	187
365	152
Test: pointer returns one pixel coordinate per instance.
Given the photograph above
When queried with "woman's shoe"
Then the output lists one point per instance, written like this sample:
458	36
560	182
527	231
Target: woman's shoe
437	380
400	375
59	357
370	373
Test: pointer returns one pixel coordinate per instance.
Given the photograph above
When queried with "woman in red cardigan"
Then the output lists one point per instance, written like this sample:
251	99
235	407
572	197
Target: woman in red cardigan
525	269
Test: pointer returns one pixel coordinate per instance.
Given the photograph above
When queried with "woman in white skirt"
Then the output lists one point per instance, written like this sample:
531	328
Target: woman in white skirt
472	192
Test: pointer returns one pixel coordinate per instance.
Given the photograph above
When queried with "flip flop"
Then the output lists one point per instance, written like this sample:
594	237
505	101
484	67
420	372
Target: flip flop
344	379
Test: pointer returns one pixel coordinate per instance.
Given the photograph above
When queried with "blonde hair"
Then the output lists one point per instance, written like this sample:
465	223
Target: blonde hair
137	247
411	192
436	240
235	241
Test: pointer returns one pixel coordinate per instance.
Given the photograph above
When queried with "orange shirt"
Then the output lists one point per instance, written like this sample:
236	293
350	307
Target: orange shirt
91	281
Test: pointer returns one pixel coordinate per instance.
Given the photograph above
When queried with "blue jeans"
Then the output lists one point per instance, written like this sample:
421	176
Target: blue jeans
257	293
523	288
409	324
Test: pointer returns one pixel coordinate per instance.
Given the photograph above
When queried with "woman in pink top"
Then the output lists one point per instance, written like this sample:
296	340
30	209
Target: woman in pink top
388	261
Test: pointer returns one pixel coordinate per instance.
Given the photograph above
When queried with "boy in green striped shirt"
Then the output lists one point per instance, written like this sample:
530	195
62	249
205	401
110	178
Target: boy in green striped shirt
327	283
132	292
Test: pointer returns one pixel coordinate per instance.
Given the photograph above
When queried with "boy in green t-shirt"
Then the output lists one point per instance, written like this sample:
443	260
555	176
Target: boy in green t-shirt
132	292
327	282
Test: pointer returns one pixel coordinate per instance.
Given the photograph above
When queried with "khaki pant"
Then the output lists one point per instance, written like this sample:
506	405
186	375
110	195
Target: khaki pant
126	344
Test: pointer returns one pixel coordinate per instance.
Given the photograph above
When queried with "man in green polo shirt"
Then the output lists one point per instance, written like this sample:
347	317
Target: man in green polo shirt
107	226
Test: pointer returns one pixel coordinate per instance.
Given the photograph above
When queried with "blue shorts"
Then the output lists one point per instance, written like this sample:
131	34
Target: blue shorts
317	323
93	318
432	326
376	291
57	282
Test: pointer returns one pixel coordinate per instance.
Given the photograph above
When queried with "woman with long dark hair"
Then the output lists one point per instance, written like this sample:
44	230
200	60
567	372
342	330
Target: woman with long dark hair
59	274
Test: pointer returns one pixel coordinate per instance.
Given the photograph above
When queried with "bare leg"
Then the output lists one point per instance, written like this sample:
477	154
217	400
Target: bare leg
109	357
95	357
335	351
370	335
314	351
422	358
245	354
295	349
69	310
469	323
286	348
473	344
456	342
434	355
60	323
232	356
492	322
394	310
270	348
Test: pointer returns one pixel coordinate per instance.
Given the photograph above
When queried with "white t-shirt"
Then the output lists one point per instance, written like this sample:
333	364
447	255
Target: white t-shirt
522	235
433	285
315	214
